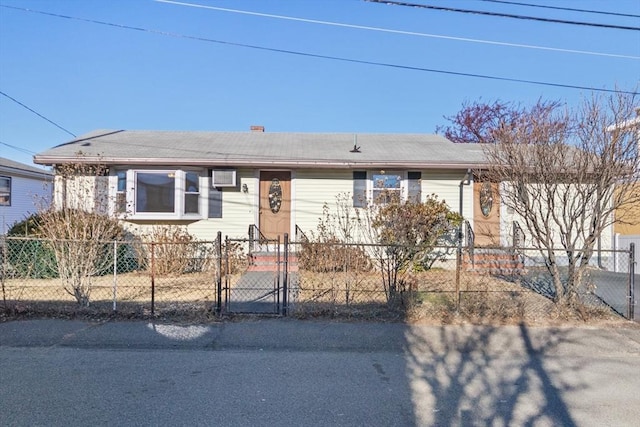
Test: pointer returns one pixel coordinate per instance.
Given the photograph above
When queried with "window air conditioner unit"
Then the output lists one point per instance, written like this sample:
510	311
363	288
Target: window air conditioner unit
223	178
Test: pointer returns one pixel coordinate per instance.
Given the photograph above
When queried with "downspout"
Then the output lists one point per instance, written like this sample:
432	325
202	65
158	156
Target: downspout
466	180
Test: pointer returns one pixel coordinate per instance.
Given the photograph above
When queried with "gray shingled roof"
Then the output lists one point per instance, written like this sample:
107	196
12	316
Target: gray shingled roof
18	168
264	149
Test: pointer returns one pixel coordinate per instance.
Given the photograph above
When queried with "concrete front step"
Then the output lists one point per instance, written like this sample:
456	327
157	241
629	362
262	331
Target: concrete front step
268	261
506	272
494	262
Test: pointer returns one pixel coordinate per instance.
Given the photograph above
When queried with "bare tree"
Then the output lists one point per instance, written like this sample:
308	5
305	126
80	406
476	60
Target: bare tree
479	122
565	173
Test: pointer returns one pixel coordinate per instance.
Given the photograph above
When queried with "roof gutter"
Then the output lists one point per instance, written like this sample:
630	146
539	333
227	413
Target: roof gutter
315	164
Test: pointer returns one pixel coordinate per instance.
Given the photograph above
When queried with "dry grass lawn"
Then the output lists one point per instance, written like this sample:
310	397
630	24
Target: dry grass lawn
428	297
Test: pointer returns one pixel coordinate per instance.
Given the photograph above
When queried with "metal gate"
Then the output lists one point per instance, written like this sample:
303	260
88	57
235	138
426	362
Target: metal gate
253	277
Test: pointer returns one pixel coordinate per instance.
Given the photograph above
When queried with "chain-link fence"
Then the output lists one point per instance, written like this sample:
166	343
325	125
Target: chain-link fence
601	281
202	279
130	278
483	284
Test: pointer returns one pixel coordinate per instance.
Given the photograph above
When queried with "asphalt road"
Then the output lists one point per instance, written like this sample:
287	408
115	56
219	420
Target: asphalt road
288	372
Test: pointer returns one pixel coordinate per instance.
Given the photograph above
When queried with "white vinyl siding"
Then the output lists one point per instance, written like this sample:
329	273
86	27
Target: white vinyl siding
313	189
508	216
446	185
239	210
28	196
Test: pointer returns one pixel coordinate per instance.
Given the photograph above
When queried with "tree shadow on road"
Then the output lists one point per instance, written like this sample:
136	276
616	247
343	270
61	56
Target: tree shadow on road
474	376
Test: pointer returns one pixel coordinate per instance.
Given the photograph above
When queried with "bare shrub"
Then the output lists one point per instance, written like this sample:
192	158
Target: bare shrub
235	256
82	243
332	255
171	250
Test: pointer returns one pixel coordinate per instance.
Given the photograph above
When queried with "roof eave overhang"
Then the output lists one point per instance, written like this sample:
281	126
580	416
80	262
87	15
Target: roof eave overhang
25	173
239	163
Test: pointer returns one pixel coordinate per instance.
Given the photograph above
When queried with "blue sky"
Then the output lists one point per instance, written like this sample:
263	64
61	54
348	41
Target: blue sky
84	75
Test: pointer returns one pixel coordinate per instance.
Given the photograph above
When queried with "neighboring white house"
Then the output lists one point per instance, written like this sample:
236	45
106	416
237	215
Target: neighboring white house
278	182
24	190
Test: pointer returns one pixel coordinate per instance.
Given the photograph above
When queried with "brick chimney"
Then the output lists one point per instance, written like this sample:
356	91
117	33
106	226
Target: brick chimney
255	128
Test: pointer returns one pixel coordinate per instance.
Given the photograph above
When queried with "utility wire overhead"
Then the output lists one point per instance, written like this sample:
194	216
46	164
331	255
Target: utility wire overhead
319	56
570	9
37	114
386	30
504	15
23	150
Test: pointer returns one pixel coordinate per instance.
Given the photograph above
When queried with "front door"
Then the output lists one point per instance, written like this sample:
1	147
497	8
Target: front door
486	218
275	203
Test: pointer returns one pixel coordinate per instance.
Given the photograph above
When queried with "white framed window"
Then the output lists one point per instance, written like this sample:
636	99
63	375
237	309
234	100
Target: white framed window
5	191
380	186
386	186
121	191
159	193
155	192
191	193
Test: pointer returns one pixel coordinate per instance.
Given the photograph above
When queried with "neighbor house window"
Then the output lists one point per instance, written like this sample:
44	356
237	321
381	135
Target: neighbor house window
170	194
5	191
380	187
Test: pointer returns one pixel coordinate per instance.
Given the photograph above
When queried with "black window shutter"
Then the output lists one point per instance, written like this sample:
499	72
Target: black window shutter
215	202
359	189
414	186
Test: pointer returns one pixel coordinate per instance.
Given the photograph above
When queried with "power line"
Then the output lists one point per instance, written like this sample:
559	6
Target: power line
504	15
23	150
570	9
37	114
328	57
386	30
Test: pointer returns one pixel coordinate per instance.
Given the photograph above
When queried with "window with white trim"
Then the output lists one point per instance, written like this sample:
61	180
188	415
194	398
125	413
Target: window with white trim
121	192
191	193
155	192
5	191
386	186
380	187
159	194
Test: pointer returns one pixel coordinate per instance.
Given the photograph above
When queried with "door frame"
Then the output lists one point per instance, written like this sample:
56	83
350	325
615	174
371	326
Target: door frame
292	177
487	229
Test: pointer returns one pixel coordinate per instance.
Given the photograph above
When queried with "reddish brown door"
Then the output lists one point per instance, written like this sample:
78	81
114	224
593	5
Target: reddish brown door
275	203
486	218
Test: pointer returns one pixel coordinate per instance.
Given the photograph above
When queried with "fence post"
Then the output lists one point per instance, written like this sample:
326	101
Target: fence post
285	281
115	274
219	278
226	271
3	274
278	282
458	271
632	281
153	278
